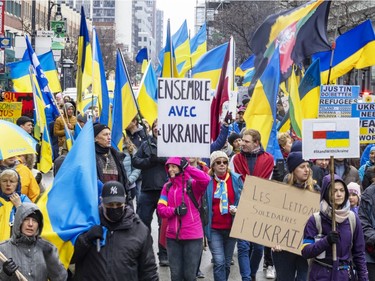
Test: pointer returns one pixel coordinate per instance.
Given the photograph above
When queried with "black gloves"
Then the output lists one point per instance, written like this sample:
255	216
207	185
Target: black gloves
181	210
95	232
183	163
333	237
228	118
9	267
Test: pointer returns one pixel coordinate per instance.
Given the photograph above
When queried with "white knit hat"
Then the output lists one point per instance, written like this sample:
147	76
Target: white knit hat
354	187
217	154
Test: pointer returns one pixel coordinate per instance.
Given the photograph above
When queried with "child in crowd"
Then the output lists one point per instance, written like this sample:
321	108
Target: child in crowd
354	196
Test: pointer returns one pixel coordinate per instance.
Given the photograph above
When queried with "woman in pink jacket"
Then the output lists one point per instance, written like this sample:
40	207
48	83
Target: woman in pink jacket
184	231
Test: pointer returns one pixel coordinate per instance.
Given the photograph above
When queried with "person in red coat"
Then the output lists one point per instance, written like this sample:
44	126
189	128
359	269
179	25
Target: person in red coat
253	161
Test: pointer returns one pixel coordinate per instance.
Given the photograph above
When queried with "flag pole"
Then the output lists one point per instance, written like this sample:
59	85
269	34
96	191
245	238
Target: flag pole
133	95
332	172
333	51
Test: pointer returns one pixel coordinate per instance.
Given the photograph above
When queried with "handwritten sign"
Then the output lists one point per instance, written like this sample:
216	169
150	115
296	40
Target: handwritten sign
10	111
271	213
184	117
366	114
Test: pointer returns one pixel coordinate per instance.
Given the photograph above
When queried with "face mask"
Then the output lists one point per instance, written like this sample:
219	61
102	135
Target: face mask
115	214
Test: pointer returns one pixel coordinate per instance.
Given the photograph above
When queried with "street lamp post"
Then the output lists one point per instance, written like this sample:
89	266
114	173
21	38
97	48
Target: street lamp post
66	64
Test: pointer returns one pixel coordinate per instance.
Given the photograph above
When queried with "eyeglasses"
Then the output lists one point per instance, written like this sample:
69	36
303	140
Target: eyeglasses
221	162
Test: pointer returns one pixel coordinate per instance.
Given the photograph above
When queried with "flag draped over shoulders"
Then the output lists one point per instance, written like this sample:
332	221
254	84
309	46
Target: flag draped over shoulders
70	206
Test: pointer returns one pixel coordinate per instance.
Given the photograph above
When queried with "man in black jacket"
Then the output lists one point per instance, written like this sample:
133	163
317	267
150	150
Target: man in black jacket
154	176
127	253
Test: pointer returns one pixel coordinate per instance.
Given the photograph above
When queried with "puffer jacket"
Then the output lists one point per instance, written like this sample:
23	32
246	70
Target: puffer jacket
189	226
37	258
350	248
126	255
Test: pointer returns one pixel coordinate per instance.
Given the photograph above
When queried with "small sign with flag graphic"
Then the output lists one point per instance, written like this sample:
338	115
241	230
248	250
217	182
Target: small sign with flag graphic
338	137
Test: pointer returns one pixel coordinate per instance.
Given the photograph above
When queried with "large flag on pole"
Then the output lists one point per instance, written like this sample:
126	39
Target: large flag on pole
84	61
181	45
298	33
224	87
295	107
124	107
76	183
354	49
99	81
147	95
19	73
169	68
261	111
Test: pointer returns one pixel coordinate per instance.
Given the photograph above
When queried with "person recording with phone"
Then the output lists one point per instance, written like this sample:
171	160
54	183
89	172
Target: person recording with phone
184	232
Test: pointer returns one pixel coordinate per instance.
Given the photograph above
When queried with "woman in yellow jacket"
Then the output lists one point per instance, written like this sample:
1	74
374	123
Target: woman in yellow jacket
59	128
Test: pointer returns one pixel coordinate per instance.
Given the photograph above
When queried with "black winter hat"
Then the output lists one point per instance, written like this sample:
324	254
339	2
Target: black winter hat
232	137
113	191
296	146
37	215
23	120
294	160
98	128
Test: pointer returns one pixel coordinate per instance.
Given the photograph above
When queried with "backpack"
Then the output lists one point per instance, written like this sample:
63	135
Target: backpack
201	206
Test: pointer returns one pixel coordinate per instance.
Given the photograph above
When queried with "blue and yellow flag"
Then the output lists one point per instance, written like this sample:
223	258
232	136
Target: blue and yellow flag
99	81
76	183
181	45
210	64
295	106
198	47
84	61
246	70
260	114
169	67
41	128
124	107
354	49
19	73
147	95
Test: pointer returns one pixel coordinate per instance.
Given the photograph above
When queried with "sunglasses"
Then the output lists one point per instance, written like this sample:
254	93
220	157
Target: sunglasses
221	162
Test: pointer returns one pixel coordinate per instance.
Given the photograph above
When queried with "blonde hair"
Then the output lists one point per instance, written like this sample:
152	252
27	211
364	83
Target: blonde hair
282	139
308	184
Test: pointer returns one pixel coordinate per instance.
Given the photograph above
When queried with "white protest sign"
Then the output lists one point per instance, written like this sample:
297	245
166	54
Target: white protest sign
338	137
271	213
184	117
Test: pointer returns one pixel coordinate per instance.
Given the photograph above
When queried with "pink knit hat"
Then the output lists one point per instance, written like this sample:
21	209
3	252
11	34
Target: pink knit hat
354	187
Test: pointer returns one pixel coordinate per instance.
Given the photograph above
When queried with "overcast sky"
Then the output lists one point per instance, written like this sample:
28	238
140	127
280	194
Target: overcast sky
177	11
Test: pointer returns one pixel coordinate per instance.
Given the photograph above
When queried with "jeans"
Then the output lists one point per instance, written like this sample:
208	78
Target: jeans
222	248
249	256
184	258
148	202
287	265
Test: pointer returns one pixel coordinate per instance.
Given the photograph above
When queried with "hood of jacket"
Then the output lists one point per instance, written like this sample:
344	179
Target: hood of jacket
173	160
22	213
326	184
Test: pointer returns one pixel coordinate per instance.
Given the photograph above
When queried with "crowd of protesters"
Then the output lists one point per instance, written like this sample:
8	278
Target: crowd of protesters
135	183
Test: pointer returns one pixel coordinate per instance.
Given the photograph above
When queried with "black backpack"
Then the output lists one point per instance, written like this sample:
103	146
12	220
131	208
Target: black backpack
202	207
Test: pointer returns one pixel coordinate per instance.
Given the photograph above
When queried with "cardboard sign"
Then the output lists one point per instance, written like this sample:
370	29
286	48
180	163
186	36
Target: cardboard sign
184	117
271	213
323	138
10	111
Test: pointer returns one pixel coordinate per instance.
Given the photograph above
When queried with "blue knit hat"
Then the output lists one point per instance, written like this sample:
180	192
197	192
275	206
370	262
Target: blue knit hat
294	160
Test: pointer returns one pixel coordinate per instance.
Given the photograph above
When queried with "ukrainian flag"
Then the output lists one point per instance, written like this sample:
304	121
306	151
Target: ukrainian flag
124	107
147	95
99	82
169	68
19	73
181	45
198	47
84	61
76	183
354	49
261	111
246	70
210	64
